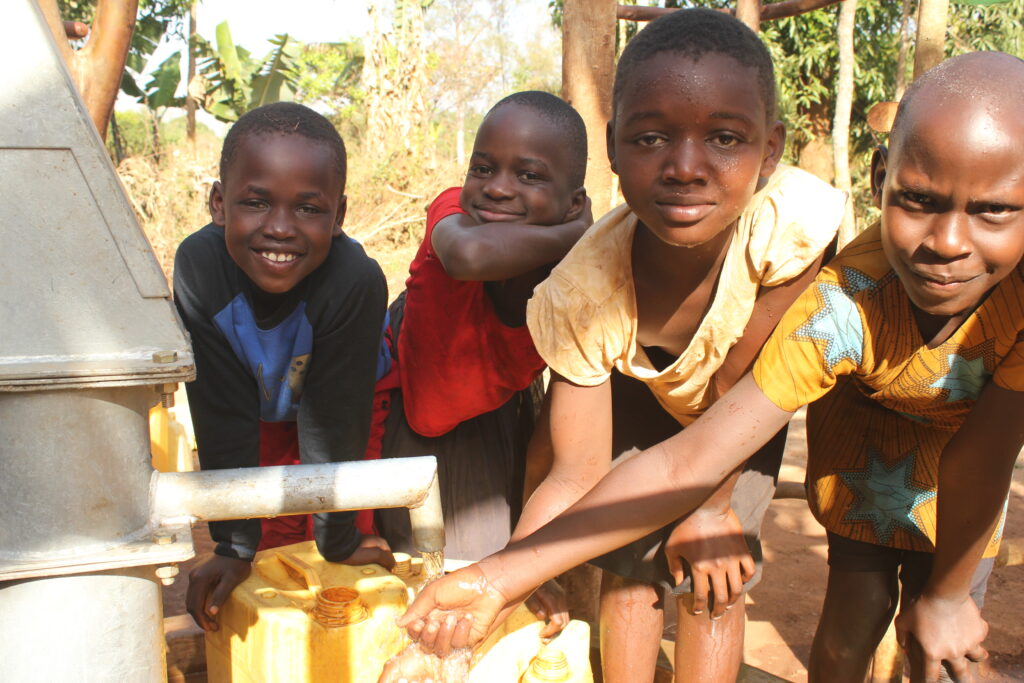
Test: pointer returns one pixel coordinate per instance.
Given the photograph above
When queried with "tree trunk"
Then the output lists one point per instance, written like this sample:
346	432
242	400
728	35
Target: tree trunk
96	68
931	34
815	156
588	67
190	102
901	57
841	122
749	12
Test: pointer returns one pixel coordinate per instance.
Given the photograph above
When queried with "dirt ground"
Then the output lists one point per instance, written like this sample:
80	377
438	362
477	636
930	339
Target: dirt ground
783	609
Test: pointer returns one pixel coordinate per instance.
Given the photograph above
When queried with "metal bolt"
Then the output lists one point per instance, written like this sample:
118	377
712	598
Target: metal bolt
164	539
166	574
165	356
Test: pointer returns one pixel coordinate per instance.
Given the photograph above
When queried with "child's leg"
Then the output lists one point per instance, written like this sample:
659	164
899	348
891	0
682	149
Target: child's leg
631	622
860	601
708	650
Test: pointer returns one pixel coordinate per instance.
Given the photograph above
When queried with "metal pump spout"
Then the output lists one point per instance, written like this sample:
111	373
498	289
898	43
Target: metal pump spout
300	489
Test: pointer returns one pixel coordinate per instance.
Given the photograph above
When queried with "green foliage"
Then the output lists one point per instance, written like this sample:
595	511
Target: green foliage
154	20
328	78
992	27
135	129
236	82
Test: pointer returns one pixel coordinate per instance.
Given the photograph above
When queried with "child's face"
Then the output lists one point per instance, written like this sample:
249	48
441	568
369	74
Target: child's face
519	171
280	204
689	141
952	197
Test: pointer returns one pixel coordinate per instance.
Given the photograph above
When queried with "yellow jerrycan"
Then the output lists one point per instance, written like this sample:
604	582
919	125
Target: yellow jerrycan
169	442
301	619
516	651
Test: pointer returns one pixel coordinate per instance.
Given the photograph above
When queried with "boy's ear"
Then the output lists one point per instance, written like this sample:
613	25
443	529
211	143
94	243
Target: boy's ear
609	141
216	203
878	162
577	203
775	145
340	219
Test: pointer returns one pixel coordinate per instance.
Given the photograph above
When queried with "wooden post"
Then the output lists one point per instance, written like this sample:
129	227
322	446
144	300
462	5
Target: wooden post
931	35
588	69
841	121
749	12
190	101
97	67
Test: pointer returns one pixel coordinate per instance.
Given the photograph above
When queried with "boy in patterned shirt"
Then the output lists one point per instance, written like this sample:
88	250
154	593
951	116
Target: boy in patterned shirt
909	348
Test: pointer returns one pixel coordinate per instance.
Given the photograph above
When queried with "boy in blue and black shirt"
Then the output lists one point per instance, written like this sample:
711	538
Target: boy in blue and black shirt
285	315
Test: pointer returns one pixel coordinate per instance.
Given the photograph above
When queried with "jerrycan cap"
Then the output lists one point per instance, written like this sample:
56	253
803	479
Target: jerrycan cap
338	606
550	664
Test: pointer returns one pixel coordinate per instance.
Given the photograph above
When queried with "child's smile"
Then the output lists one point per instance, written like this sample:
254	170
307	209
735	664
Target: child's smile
518	171
953	205
690	140
280	205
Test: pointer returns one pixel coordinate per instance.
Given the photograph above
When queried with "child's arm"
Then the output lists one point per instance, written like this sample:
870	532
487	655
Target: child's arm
578	424
347	313
499	251
642	494
711	538
974	477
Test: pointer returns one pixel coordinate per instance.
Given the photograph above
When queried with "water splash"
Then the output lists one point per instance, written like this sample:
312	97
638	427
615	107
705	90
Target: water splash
433	566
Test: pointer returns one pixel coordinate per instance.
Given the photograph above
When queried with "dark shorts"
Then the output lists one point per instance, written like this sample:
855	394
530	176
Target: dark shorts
638	423
481	465
914	567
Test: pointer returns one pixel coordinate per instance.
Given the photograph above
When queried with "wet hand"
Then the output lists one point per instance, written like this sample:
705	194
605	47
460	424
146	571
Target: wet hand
549	603
456	611
720	562
372	550
210	584
935	630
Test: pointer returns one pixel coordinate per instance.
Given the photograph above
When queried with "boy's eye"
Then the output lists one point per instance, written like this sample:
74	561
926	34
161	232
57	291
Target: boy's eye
649	140
307	208
725	140
480	170
915	198
254	203
530	177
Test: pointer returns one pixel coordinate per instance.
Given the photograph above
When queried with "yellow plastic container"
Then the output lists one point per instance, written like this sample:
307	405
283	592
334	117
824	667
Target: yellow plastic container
516	651
301	619
169	443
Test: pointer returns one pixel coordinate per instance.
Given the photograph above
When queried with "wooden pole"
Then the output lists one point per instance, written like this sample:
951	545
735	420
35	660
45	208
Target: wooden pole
749	12
190	101
931	35
97	67
588	69
841	120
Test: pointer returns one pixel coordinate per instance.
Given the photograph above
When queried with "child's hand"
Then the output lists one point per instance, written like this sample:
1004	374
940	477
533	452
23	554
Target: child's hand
712	543
548	602
372	550
453	612
210	584
948	631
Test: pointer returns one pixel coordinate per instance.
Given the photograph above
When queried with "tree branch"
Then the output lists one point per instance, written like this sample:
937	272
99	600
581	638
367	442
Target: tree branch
778	10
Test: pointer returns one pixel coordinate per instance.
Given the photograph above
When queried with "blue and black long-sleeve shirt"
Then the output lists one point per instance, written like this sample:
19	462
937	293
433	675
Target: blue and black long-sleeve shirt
309	355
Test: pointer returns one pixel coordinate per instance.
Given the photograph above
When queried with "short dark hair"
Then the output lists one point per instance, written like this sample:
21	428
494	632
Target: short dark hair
562	115
283	118
694	33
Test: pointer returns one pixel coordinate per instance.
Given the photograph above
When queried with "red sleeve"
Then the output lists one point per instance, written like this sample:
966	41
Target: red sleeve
446	204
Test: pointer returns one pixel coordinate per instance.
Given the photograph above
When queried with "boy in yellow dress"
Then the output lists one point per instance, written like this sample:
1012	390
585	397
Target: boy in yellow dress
909	348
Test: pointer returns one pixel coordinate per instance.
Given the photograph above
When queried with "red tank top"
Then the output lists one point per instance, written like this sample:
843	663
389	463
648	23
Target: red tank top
457	359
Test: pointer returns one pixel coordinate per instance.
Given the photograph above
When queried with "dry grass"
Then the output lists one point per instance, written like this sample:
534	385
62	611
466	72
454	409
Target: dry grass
387	202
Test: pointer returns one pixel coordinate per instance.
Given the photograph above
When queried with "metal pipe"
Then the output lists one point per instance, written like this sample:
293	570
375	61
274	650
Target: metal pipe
302	489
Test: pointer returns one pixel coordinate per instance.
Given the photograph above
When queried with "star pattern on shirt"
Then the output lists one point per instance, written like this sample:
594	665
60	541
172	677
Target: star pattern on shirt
964	379
886	496
837	322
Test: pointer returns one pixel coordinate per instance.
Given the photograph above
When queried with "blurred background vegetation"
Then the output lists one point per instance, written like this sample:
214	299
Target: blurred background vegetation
408	96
